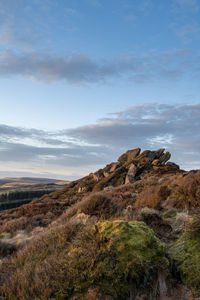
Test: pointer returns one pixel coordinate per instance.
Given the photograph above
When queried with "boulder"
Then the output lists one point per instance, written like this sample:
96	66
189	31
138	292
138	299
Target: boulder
129	156
173	165
114	166
143	162
98	175
164	158
155	162
130	177
145	153
82	189
106	174
159	152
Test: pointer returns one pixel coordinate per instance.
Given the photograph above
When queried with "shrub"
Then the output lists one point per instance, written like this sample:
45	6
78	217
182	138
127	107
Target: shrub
38	270
73	260
6	249
113	256
152	197
98	205
187	193
186	254
192	227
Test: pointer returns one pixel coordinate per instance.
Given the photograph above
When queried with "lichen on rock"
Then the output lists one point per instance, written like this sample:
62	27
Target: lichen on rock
115	257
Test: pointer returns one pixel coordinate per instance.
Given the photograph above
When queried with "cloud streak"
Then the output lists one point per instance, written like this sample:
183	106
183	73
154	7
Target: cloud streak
83	149
81	69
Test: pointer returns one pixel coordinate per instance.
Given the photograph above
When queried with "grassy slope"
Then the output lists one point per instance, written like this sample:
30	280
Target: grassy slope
71	241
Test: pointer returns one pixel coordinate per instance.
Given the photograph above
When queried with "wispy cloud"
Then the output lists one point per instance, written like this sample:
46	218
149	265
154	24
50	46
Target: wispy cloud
187	32
83	149
185	22
81	69
185	6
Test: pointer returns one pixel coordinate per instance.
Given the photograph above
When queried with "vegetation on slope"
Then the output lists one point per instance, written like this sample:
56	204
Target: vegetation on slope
106	235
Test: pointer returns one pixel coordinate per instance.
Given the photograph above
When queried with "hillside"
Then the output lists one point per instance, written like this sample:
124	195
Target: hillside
16	191
27	183
128	231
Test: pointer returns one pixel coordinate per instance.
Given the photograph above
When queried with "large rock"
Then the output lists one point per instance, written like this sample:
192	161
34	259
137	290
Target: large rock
114	166
173	165
144	162
145	153
130	177
159	152
98	175
164	158
129	156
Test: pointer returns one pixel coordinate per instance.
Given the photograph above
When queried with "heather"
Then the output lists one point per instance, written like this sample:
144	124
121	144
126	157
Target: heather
128	231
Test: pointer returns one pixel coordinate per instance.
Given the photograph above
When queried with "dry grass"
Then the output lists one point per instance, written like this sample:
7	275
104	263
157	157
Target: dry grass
187	193
152	197
39	268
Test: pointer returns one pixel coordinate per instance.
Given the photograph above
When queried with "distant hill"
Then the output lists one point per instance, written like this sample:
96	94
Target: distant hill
29	183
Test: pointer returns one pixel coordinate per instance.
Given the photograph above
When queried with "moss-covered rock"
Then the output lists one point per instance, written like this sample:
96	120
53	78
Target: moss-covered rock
186	255
136	246
114	256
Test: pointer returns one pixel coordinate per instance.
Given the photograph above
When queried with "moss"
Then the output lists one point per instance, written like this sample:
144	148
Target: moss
186	254
170	214
113	256
136	245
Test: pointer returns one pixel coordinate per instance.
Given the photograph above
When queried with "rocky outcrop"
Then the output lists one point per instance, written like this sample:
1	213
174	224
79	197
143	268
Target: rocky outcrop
130	167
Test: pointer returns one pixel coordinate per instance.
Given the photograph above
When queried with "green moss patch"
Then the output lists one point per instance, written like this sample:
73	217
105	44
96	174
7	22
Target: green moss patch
186	254
113	256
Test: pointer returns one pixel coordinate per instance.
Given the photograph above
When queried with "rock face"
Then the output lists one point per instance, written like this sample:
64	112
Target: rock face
130	177
130	167
129	155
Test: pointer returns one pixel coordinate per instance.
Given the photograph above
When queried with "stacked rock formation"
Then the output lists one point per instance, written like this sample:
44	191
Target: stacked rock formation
131	166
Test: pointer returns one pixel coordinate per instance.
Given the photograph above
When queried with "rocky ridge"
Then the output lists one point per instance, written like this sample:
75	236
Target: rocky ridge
130	167
128	231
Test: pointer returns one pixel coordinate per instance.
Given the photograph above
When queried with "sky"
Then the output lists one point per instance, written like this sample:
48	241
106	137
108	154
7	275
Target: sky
82	81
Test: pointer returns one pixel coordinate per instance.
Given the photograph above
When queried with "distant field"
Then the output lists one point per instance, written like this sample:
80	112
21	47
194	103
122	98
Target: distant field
17	191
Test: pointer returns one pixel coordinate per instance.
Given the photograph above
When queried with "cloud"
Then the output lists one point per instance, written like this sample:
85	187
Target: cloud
185	6
187	32
75	152
149	126
81	69
185	22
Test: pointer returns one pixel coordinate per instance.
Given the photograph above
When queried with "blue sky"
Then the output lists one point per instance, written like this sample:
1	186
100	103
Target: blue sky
73	74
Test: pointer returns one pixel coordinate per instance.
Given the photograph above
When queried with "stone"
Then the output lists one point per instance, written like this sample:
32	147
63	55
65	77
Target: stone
143	162
172	164
159	152
130	177
155	162
129	156
82	189
106	174
98	175
164	158
145	153
114	166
